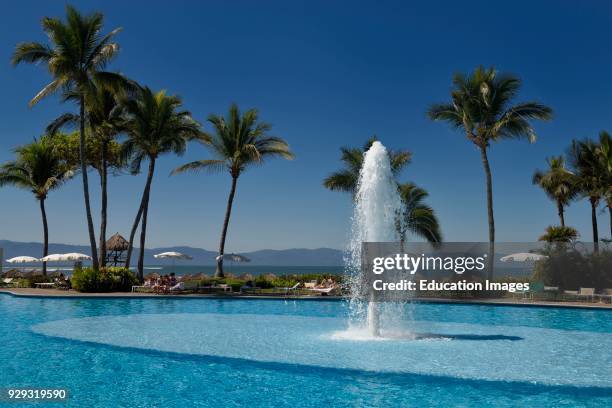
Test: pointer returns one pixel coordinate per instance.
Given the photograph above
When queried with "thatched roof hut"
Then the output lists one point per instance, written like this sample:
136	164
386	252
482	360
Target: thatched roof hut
115	248
117	243
12	273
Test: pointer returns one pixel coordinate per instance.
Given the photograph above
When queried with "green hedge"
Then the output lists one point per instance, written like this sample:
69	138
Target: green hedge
103	280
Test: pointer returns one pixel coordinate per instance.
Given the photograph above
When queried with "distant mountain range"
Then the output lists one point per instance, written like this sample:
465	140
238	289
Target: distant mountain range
268	257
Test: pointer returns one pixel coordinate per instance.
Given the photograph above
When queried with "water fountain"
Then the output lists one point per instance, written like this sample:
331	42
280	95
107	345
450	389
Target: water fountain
377	204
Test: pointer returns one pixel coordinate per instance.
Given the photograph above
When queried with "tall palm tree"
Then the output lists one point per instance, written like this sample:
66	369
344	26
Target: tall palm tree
155	126
587	167
40	169
558	183
238	142
416	217
346	179
604	153
104	122
76	59
481	107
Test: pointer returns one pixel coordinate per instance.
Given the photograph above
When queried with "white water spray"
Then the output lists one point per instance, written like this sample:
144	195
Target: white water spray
377	204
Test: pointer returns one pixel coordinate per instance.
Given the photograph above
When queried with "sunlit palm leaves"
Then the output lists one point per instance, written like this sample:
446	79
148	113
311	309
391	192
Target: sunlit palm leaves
238	141
559	184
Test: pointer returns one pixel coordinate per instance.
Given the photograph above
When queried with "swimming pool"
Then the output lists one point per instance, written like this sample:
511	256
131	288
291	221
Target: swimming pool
208	352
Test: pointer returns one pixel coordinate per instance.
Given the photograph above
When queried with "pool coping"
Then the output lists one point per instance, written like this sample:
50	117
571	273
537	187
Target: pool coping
57	294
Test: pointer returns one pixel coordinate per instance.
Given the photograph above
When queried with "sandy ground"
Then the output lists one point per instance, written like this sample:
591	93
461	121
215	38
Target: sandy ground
30	292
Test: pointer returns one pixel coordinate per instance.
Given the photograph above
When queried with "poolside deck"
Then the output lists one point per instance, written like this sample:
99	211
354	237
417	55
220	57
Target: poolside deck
55	293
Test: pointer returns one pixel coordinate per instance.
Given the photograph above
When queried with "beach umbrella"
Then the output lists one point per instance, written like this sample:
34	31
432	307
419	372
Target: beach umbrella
72	257
172	255
69	257
523	257
23	259
233	258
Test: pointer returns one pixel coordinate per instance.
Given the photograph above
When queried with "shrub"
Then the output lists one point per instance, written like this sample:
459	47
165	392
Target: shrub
569	268
262	282
103	280
33	280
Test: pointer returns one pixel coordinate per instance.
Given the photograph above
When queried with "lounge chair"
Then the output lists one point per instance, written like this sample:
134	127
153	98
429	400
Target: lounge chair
324	291
587	293
310	285
605	294
293	288
178	287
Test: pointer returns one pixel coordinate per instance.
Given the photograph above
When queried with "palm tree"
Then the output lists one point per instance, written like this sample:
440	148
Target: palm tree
238	142
105	121
587	167
604	154
481	107
346	179
416	216
559	234
40	169
155	126
76	59
558	183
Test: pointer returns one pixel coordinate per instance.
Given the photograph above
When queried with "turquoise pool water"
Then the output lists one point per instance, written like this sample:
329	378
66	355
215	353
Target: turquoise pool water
203	352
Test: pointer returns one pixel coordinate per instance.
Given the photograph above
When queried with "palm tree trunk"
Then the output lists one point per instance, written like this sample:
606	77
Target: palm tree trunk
143	227
561	213
610	212
104	204
485	163
228	213
594	222
128	257
45	234
83	158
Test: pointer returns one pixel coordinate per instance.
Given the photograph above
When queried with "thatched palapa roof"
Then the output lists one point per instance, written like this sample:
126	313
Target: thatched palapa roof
117	243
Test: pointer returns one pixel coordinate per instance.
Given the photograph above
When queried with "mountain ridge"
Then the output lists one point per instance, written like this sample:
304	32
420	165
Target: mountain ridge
269	257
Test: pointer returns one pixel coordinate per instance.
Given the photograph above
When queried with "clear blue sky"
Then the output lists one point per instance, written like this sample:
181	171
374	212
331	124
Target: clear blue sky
325	74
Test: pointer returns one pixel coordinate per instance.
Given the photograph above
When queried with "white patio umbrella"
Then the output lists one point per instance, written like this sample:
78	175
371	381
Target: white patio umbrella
22	259
72	256
523	257
69	257
172	255
234	258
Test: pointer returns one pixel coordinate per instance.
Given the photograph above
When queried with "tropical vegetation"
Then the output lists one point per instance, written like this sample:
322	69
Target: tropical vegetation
155	125
559	184
75	59
415	217
39	168
482	107
119	125
238	142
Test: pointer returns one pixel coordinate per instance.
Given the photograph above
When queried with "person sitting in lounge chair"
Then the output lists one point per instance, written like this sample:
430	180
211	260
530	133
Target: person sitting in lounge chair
177	287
